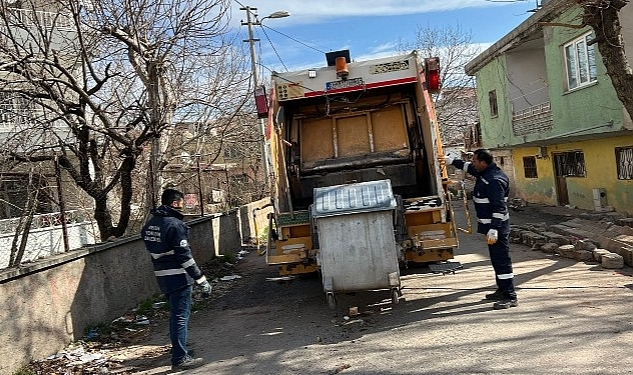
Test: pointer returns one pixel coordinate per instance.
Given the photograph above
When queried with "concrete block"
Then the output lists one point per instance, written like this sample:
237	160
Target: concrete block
588	245
598	253
566	251
626	252
583	255
549	248
531	238
612	261
574	223
625	222
625	238
559	229
556	238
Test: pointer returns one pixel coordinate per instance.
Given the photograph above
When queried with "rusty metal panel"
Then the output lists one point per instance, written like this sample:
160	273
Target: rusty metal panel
352	136
316	139
389	129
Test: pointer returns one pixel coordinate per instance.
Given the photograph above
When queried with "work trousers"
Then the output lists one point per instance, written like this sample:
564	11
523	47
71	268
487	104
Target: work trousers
502	264
179	312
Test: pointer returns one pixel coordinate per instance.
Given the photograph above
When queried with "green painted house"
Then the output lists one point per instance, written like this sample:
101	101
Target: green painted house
549	113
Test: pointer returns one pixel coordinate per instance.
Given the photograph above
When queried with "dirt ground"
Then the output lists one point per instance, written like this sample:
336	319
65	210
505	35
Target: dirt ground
573	318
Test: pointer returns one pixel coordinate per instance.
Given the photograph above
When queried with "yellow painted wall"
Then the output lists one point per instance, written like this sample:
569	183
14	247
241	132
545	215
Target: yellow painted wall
534	190
600	164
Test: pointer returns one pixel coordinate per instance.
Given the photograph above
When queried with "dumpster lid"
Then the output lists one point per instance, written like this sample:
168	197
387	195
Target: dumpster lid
353	198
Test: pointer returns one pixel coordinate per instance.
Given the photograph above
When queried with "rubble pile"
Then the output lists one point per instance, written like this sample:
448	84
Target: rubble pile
604	239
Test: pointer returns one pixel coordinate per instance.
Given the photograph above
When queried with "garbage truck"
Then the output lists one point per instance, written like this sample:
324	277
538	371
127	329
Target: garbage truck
359	183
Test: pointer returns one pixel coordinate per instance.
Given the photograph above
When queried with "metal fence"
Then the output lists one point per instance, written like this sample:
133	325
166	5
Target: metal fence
48	234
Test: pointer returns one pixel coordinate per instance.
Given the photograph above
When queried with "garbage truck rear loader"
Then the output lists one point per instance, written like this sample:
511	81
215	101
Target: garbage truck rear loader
359	182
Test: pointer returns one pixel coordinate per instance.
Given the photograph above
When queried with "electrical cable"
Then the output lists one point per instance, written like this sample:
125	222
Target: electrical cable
293	39
274	49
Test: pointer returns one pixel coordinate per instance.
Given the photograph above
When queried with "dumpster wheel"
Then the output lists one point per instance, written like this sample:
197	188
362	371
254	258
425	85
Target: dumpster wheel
331	300
395	295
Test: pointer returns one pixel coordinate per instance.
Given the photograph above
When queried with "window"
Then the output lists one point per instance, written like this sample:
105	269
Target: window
570	164
494	108
624	162
529	167
580	62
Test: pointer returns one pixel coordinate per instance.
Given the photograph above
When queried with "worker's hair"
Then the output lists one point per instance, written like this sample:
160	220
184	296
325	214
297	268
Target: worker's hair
484	155
170	195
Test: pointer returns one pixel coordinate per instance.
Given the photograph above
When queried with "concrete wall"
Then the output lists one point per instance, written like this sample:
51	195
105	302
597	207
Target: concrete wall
495	131
527	78
48	304
583	107
600	163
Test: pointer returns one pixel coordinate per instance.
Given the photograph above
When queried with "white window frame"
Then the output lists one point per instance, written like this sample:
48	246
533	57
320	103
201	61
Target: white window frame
583	58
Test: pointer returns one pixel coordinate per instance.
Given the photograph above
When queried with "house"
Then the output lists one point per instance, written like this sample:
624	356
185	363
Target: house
550	114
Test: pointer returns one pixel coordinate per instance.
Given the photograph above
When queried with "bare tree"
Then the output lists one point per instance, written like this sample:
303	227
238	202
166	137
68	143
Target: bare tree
603	17
99	86
456	103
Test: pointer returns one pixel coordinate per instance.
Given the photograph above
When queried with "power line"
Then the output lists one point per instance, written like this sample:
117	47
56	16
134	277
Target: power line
293	39
274	49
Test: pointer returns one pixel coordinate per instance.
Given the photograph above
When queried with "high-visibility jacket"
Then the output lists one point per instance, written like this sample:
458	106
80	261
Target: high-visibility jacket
490	196
166	238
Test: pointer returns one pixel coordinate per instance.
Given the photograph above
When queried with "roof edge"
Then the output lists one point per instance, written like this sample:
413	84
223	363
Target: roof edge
551	9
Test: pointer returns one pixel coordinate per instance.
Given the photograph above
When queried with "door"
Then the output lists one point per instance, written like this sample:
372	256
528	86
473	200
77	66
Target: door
567	164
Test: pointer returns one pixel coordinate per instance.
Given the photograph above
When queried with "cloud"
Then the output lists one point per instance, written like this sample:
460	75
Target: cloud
316	11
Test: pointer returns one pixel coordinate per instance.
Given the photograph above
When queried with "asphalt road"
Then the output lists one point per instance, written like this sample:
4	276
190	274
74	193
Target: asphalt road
573	318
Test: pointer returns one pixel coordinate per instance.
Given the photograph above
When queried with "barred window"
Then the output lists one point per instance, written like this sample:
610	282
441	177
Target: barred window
529	167
570	164
624	162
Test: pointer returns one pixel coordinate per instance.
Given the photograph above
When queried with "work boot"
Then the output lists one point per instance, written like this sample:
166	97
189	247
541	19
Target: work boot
505	303
496	296
187	363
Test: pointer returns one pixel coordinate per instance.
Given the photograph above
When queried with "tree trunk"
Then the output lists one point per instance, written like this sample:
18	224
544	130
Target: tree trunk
603	17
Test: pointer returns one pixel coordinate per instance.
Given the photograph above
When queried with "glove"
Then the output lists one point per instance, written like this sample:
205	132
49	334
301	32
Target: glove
206	289
492	236
449	157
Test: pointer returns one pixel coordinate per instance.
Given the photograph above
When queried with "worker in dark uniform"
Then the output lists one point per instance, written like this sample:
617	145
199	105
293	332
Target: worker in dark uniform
166	237
490	196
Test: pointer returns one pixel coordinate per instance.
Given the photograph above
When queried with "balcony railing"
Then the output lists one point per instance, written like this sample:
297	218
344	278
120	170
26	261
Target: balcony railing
537	118
47	20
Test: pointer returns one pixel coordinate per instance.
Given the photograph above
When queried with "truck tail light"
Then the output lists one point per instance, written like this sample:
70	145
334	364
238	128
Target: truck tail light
432	74
261	101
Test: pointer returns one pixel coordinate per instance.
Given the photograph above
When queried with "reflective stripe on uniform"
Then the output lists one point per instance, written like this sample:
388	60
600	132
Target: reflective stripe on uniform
505	276
188	263
503	217
484	180
170	272
160	255
465	166
481	200
485	221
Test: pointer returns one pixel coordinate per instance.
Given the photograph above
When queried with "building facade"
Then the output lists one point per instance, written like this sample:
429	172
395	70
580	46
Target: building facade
549	110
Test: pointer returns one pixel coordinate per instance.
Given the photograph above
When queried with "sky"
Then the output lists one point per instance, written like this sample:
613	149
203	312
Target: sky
368	28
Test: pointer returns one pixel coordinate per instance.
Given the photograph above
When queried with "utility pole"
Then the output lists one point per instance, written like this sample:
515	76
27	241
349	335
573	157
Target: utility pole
251	42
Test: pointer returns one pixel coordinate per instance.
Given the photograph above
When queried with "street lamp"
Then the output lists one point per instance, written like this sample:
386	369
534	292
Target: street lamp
251	41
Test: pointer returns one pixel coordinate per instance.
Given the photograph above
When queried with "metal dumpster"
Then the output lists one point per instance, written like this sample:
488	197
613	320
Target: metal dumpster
357	245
